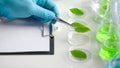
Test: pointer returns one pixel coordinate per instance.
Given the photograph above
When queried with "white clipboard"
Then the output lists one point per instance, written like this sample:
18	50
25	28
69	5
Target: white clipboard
24	37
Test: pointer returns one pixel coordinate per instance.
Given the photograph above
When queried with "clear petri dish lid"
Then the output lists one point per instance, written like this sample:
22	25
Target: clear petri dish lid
115	12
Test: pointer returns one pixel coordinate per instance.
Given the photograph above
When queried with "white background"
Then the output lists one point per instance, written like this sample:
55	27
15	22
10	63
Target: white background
61	59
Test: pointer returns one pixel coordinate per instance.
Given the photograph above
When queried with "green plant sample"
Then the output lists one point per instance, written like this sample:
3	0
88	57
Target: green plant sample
78	54
77	11
80	28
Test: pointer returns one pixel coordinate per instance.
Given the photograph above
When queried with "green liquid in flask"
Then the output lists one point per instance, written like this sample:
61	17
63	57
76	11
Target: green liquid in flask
104	12
104	8
101	35
107	33
110	48
107	53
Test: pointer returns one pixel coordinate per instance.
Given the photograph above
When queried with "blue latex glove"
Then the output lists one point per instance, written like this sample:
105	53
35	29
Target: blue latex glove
45	10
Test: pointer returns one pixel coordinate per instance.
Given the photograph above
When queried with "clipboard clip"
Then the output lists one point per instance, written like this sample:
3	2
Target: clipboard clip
50	30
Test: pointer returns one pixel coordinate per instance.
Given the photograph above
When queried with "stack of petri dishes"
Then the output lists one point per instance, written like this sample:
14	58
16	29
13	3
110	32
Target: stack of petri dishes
77	39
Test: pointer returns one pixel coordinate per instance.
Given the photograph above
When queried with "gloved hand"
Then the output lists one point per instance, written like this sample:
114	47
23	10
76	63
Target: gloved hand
45	10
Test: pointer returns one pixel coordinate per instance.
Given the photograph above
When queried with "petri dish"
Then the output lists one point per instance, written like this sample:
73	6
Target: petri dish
76	39
75	16
85	51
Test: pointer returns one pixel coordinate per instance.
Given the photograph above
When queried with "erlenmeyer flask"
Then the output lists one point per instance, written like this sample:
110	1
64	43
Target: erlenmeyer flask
103	30
105	14
115	62
105	6
110	46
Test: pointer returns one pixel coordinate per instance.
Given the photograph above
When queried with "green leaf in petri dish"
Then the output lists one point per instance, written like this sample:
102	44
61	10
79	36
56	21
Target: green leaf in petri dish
80	28
78	54
77	11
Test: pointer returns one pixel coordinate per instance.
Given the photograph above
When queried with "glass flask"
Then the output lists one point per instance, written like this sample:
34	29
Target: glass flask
105	14
105	6
110	46
103	30
115	62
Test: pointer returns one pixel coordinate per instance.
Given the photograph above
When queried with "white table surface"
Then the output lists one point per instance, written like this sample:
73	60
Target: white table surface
60	59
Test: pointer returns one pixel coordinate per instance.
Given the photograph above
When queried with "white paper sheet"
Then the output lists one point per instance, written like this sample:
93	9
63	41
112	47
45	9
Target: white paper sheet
22	36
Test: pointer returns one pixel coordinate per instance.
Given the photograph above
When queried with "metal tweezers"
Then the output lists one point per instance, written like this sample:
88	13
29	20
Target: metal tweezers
51	26
62	21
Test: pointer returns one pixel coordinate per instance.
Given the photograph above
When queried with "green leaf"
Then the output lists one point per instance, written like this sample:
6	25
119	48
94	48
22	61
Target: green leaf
77	11
80	28
78	54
